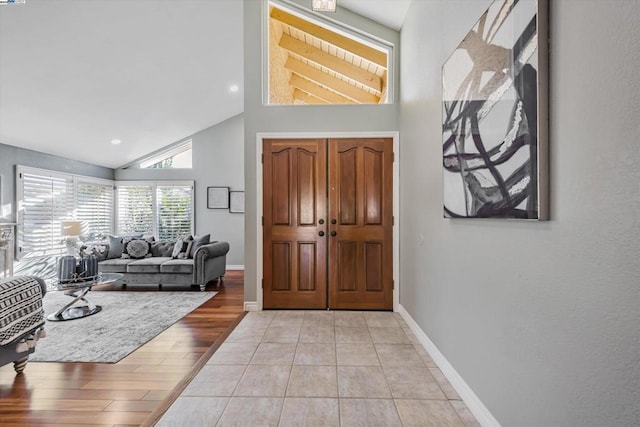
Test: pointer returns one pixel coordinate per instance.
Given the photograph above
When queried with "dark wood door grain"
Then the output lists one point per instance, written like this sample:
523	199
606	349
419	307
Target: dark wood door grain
294	206
361	224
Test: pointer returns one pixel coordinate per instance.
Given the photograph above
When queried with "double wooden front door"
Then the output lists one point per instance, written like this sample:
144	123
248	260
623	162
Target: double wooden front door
328	224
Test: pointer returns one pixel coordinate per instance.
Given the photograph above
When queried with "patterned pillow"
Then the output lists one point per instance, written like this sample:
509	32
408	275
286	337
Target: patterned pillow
136	248
182	247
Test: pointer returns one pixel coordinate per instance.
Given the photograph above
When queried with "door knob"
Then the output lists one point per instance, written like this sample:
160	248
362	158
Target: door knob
321	233
333	233
321	221
333	221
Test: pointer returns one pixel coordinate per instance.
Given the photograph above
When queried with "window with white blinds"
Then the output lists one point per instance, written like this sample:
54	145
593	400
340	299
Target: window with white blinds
161	209
95	206
135	209
46	200
175	212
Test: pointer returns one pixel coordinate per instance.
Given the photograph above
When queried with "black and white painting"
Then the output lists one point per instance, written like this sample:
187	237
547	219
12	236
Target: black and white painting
495	116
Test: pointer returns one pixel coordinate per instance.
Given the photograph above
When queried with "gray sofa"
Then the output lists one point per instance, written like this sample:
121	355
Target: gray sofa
208	263
20	347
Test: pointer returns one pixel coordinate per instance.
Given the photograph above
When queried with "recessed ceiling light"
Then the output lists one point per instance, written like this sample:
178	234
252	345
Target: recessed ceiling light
234	88
115	141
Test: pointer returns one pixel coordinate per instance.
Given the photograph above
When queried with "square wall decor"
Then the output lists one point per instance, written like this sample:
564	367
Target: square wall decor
495	116
218	197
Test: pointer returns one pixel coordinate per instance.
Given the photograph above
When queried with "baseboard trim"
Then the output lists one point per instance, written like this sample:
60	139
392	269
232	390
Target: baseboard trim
235	267
251	306
473	402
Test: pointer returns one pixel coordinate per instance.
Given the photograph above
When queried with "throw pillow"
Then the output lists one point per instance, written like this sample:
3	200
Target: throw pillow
197	242
187	250
116	246
136	248
182	247
177	248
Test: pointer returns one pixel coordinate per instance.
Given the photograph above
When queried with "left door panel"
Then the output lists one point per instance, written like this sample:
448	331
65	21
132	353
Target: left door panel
295	226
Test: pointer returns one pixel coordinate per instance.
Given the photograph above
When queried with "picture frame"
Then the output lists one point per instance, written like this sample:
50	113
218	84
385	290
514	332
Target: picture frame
495	116
236	202
217	197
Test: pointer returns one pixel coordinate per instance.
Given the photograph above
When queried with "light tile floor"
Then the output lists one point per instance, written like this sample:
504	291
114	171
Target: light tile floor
320	368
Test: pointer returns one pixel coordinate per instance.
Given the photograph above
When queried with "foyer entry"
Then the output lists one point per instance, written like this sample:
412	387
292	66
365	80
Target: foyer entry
328	223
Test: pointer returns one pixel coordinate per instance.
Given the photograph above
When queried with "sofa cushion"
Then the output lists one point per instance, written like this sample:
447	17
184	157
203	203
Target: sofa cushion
162	248
116	265
146	265
177	266
197	242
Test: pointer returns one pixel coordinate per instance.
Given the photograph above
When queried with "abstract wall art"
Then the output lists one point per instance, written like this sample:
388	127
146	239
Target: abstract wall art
495	124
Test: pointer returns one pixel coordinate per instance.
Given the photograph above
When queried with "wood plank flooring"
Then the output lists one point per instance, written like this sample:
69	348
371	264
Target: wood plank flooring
128	392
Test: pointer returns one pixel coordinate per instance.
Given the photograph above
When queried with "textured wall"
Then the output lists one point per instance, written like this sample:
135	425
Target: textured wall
541	319
218	161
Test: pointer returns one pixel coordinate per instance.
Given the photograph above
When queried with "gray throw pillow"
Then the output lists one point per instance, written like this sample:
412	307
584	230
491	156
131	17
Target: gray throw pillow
116	247
197	242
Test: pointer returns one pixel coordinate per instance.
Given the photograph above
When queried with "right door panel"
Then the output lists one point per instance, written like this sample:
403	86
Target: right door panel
360	224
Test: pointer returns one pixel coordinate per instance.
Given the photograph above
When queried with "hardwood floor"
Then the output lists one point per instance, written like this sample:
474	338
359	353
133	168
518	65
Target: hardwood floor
128	392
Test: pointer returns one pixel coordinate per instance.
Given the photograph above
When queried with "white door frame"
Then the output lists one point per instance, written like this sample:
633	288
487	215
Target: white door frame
260	136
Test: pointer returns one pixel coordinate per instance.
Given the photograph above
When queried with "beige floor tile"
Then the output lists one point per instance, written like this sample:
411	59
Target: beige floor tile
258	319
427	413
425	356
304	412
368	413
315	354
215	380
282	334
264	381
269	353
194	411
444	384
357	355
362	382
319	318
413	383
350	319
250	411
233	354
288	318
398	355
346	334
314	333
246	334
464	413
412	338
400	320
388	335
313	381
378	319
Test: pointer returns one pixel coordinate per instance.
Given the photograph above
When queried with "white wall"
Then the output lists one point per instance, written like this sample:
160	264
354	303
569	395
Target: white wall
260	118
218	161
541	319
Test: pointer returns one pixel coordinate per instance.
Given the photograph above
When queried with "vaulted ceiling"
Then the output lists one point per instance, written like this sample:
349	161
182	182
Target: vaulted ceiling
76	74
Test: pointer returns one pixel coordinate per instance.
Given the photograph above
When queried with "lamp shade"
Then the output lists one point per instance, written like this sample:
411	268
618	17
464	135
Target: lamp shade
72	228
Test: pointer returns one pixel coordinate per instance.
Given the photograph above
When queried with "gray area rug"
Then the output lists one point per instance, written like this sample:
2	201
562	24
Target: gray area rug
127	320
